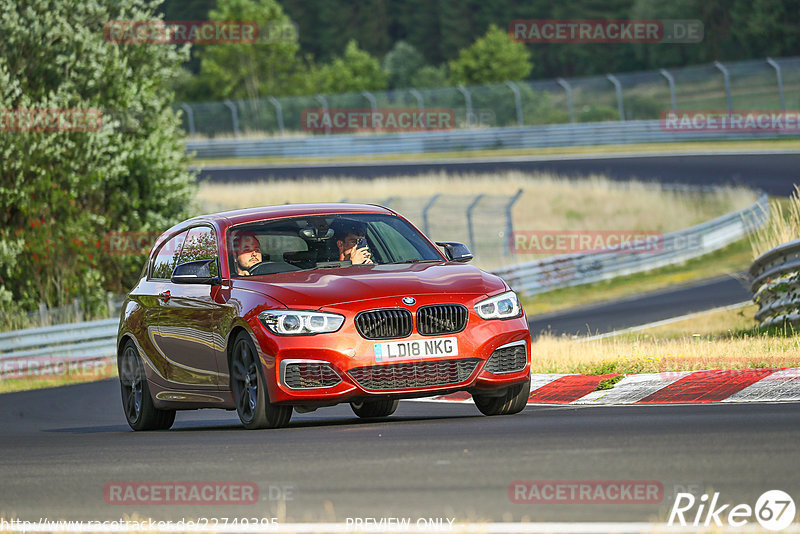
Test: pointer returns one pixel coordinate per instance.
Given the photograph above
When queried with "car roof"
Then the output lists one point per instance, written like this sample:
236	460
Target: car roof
235	217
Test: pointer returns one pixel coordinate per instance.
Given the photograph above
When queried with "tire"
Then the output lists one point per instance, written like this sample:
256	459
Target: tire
249	389
137	403
514	400
377	408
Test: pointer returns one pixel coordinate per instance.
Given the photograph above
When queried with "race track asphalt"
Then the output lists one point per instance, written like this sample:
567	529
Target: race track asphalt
61	447
645	308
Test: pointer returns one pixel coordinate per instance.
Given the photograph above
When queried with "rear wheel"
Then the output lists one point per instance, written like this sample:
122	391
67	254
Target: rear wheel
513	401
376	408
249	390
137	403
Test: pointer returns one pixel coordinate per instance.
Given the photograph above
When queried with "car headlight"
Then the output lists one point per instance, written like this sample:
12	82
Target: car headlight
502	306
300	323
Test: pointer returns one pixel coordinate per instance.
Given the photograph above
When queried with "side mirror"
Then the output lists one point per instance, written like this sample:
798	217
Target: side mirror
455	251
195	272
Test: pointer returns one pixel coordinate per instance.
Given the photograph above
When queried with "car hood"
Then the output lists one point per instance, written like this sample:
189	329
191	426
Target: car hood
327	287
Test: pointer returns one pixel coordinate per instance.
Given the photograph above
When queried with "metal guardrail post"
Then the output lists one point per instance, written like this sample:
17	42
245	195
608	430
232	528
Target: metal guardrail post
618	88
468	102
420	101
509	222
388	201
278	111
234	117
517	102
774	64
324	104
470	208
373	104
427	207
727	79
671	82
110	304
568	88
189	117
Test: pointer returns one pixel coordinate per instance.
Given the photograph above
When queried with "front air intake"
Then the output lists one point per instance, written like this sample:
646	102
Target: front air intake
414	374
508	359
300	374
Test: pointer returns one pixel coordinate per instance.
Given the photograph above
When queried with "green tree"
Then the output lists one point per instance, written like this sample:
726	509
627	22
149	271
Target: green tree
430	77
401	64
355	70
63	192
269	67
492	58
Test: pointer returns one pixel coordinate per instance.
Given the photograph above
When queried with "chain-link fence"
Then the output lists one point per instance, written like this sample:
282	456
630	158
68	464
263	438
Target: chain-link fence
756	85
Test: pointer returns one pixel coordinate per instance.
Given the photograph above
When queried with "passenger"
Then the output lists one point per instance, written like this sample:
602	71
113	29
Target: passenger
347	233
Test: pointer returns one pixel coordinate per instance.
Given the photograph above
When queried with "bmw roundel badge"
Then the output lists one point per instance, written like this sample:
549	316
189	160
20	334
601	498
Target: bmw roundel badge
409	300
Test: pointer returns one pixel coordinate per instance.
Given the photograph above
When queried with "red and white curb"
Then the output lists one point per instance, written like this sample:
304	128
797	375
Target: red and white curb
736	385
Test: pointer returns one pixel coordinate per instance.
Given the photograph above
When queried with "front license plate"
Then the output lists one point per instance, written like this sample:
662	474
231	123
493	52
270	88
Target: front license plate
393	351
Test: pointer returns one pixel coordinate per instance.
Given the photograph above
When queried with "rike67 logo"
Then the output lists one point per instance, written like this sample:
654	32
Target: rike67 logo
774	510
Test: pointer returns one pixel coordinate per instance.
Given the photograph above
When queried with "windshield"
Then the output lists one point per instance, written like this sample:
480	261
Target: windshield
323	242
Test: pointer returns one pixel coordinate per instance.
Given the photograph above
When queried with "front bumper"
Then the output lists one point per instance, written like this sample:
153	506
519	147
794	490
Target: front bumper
338	367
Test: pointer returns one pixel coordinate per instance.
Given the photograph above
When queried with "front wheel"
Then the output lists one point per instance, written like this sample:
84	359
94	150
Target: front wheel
249	390
376	408
137	403
514	400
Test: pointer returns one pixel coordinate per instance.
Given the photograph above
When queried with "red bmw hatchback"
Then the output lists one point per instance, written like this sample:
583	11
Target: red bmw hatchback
296	307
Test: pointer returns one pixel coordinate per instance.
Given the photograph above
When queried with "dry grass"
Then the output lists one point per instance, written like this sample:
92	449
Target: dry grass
712	323
783	225
715	340
548	203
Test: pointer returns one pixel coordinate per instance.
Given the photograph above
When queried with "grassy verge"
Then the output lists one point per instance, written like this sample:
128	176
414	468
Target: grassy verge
734	258
727	339
772	144
95	371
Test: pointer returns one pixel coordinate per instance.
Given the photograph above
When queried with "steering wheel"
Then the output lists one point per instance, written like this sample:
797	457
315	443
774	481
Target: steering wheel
271	267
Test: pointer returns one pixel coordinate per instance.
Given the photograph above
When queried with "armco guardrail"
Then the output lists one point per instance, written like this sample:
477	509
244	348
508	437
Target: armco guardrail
61	349
593	133
576	269
776	284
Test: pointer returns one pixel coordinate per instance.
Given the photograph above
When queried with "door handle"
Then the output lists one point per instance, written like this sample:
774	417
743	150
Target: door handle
164	295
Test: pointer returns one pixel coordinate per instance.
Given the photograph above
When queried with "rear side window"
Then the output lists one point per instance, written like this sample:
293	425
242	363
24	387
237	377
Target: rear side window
200	244
166	258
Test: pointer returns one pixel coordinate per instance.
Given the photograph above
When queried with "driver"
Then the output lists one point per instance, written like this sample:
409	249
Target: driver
246	252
